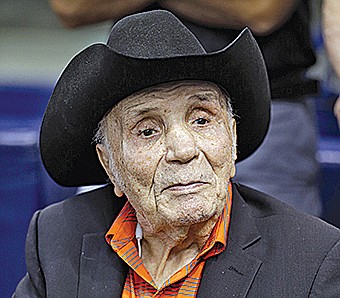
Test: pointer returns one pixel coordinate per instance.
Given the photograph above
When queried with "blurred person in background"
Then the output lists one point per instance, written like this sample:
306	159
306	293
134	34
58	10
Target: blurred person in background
331	30
285	165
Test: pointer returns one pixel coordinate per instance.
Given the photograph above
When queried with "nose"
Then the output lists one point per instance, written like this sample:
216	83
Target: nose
181	145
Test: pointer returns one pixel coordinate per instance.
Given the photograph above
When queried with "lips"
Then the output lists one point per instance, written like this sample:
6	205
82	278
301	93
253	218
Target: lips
184	187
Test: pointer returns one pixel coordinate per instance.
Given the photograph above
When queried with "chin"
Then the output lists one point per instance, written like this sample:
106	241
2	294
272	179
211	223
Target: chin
191	216
191	208
195	219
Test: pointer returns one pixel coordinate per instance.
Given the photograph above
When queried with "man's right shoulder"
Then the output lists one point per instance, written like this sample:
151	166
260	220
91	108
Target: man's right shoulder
93	210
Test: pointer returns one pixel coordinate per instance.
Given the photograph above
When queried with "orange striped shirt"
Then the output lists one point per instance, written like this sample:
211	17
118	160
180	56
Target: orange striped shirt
183	283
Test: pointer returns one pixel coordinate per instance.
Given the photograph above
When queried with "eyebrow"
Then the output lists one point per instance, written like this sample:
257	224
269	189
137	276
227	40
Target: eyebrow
133	112
202	96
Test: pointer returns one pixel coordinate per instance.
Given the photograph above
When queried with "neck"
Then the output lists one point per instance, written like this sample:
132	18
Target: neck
168	250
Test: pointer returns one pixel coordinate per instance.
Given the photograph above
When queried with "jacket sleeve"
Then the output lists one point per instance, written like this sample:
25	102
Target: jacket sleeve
33	284
327	280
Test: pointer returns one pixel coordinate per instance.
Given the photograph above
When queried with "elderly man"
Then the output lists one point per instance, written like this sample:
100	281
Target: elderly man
153	112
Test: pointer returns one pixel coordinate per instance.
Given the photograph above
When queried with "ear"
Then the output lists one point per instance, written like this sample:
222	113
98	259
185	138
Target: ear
234	157
104	159
233	171
234	140
117	191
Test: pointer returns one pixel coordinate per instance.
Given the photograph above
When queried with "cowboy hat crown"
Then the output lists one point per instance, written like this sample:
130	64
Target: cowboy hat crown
153	35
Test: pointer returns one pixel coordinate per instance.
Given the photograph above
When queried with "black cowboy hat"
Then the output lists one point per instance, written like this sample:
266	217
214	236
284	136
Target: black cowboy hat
143	50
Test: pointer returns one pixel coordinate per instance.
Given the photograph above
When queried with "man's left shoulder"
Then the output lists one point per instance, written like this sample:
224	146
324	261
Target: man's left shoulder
286	221
299	253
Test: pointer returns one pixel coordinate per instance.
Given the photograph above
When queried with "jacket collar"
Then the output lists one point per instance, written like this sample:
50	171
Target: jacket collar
102	273
232	272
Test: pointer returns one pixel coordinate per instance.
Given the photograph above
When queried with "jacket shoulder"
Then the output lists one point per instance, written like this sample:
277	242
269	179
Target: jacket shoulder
55	239
96	208
284	218
297	249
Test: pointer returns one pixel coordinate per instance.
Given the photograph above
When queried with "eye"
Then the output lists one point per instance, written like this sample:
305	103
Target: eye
200	117
200	121
147	128
147	133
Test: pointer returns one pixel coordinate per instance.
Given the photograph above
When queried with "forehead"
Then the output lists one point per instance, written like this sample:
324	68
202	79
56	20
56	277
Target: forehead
182	91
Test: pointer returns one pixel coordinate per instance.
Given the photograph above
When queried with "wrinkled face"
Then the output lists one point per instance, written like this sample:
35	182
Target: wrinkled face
172	153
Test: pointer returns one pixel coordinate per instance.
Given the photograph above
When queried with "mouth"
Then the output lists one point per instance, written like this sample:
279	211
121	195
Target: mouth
185	187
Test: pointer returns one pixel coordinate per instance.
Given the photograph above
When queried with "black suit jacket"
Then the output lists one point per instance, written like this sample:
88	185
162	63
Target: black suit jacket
272	251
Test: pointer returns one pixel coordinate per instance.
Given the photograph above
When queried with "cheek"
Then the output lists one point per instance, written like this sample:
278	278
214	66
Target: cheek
140	162
217	147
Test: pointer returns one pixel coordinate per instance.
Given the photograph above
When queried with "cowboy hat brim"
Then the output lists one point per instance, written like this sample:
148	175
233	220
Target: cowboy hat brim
99	77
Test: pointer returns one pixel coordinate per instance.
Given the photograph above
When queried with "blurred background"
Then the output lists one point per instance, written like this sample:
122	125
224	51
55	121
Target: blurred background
34	48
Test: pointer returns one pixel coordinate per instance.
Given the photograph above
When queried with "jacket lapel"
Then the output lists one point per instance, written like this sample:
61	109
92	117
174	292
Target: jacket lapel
101	273
231	273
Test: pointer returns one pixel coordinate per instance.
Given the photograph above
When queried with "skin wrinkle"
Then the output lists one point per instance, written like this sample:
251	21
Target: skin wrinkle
176	220
104	124
153	182
120	179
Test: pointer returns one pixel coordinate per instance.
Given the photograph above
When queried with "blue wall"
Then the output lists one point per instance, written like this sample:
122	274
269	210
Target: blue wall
24	184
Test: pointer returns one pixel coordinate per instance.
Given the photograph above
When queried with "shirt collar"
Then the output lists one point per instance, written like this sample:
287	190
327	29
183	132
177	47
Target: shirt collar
123	228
